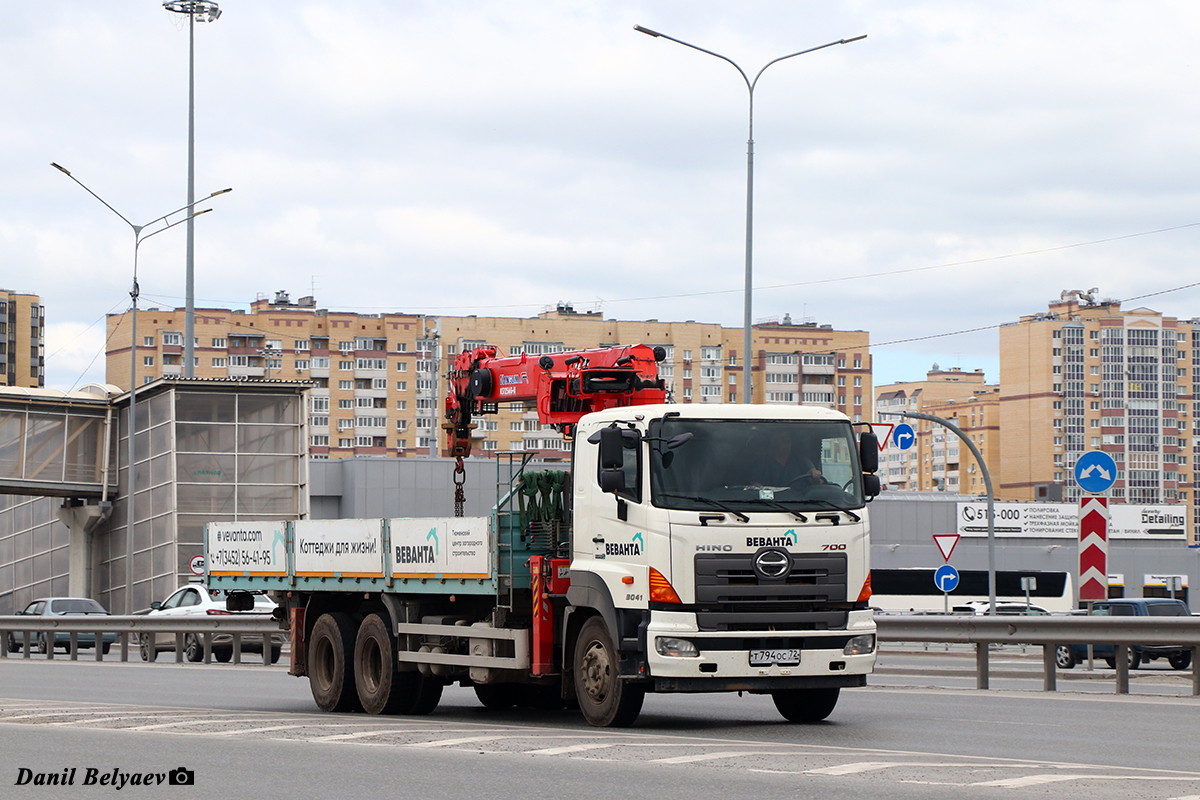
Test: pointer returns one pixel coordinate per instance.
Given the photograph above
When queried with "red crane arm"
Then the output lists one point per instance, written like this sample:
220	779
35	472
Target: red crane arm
565	385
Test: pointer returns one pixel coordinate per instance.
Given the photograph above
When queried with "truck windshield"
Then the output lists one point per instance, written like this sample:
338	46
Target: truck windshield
755	465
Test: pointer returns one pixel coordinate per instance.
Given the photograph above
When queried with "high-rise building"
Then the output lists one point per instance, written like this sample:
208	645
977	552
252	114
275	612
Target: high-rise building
378	379
938	460
1087	375
22	340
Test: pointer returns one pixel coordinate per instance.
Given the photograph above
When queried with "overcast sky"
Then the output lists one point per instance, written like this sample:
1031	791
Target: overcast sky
498	157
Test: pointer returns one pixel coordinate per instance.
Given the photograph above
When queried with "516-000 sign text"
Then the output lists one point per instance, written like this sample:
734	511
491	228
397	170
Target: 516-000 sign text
239	558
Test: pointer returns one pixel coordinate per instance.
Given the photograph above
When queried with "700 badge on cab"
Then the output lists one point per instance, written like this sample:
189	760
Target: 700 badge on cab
837	546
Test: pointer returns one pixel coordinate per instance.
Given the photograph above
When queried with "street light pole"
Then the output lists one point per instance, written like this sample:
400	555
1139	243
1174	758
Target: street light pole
747	361
139	235
208	12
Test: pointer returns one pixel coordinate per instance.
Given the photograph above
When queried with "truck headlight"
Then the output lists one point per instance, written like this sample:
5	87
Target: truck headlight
860	645
675	648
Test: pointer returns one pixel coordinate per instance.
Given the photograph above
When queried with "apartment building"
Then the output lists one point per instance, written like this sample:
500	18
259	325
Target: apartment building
378	379
22	340
804	363
1088	375
938	459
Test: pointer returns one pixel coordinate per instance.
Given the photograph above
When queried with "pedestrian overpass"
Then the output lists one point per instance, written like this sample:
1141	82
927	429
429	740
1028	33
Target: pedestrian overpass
58	444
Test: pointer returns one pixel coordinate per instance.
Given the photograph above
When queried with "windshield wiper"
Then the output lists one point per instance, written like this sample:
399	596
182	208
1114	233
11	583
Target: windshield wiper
835	506
782	507
710	501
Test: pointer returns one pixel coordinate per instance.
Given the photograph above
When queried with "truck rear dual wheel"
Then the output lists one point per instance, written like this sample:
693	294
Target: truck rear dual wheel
382	687
331	663
806	705
605	700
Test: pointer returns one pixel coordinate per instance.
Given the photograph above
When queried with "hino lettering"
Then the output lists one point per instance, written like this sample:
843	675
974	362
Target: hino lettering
714	548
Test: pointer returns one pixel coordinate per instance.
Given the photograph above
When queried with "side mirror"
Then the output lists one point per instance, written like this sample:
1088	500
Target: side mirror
679	439
612	448
871	486
155	606
612	480
868	451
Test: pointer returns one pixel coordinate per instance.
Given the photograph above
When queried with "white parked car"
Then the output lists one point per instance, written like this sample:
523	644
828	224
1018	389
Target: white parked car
196	600
1003	609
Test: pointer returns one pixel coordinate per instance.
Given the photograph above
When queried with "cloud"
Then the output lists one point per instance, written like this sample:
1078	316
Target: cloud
507	155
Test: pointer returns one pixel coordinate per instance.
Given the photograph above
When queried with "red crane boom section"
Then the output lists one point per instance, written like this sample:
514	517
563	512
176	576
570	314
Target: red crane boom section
565	385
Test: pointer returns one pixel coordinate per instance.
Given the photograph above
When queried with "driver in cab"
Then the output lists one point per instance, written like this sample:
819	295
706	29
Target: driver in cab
785	465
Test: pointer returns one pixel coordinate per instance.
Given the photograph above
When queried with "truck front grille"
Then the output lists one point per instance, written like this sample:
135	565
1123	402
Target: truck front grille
730	596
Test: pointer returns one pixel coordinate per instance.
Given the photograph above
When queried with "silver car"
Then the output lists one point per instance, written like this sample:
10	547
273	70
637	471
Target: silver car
195	600
56	607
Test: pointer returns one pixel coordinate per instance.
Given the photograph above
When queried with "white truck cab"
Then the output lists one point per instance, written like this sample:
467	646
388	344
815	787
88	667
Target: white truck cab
727	547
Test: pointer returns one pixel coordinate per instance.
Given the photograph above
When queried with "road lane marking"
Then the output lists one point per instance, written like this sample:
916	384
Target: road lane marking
46	714
187	723
574	748
342	737
855	768
463	740
102	720
1038	780
281	728
713	756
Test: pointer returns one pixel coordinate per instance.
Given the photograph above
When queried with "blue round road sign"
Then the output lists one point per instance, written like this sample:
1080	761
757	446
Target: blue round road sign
946	578
904	436
1095	471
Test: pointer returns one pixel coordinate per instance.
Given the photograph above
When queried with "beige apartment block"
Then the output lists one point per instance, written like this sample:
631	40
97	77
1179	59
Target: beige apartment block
1087	375
938	459
22	340
378	379
803	364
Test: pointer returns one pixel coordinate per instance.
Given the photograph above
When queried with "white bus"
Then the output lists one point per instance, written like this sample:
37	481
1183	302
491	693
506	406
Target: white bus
915	590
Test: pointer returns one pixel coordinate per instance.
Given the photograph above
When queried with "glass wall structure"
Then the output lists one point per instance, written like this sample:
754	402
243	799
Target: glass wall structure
219	451
34	551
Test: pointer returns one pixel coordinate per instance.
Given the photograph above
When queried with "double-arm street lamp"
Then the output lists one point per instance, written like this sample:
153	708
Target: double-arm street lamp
747	361
140	234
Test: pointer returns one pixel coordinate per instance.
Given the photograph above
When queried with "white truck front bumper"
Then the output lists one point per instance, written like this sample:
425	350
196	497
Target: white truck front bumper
727	656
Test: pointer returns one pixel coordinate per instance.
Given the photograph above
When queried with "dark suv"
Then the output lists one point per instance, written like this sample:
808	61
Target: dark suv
1066	656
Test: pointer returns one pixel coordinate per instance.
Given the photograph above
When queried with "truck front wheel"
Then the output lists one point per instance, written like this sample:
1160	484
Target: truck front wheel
605	700
806	705
331	663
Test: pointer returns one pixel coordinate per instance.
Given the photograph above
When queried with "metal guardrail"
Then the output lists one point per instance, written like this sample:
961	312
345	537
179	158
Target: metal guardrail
1049	632
25	629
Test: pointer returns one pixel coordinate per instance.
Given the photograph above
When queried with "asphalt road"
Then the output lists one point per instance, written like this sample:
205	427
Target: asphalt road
253	730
